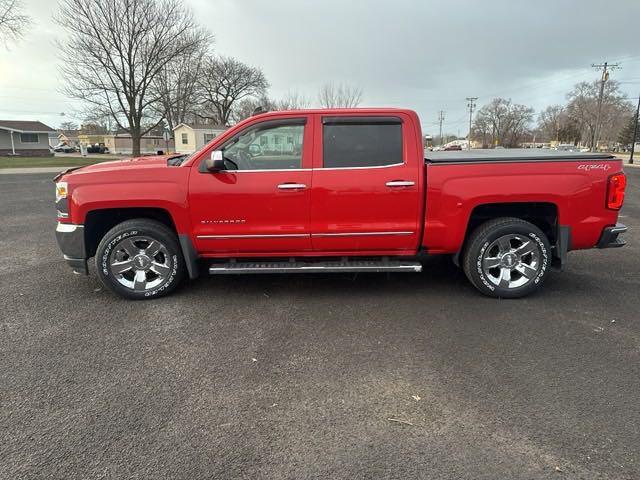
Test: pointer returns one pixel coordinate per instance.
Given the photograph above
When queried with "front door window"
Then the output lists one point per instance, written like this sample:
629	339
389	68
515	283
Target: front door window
267	148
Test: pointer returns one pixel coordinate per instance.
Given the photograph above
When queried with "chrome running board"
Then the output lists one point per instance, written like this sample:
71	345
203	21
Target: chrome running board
345	265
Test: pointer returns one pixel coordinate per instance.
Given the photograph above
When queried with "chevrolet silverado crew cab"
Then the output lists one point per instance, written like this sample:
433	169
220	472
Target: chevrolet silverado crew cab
343	190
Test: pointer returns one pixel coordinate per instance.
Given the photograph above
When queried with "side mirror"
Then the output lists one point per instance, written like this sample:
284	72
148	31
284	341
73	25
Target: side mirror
216	162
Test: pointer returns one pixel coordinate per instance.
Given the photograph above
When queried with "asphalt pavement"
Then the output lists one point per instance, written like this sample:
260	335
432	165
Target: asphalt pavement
329	376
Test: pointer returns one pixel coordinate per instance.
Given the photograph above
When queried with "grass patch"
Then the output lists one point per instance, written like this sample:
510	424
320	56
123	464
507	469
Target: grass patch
26	162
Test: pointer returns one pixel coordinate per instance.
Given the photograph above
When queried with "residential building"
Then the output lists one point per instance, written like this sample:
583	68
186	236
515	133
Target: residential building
91	139
68	137
122	143
25	138
192	137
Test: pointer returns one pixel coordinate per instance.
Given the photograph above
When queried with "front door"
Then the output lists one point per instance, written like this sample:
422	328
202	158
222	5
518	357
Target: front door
259	205
366	186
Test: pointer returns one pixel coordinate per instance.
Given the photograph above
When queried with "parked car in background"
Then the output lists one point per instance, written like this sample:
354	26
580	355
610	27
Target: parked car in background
568	147
64	148
346	190
97	148
451	148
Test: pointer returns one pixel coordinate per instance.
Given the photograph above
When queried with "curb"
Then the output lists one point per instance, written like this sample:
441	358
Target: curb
10	171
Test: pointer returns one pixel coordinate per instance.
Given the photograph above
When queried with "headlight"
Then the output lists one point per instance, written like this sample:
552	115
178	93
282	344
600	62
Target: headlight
61	190
62	203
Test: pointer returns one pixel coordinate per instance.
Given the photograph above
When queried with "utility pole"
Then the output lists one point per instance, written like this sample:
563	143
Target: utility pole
441	120
635	132
605	67
471	103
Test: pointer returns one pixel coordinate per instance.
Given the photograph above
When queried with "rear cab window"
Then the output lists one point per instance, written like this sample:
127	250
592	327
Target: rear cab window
361	142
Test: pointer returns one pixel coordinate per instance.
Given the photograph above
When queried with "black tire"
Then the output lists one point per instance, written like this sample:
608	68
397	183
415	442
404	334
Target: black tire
507	232
138	233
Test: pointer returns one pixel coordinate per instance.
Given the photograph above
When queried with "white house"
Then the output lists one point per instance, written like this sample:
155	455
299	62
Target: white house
192	137
26	138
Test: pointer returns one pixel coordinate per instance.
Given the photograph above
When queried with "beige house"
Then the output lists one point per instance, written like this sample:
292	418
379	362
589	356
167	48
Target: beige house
26	138
192	137
121	143
68	137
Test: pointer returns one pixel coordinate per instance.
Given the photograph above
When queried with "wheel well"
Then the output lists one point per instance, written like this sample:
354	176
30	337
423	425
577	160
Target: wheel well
99	222
542	215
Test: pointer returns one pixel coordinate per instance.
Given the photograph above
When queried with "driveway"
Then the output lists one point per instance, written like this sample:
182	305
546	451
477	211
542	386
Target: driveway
330	376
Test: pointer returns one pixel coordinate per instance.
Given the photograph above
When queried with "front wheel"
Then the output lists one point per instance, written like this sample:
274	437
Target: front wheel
507	258
140	259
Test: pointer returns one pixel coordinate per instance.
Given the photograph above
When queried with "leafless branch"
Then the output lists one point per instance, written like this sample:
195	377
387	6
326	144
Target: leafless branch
116	51
13	20
340	96
502	122
224	83
583	109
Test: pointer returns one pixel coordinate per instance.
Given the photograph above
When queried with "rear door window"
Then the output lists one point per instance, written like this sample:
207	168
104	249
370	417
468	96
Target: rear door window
361	142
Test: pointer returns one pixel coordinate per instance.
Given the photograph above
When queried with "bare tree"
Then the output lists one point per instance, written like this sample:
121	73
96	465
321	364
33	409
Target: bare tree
13	20
555	123
507	123
177	84
246	107
340	96
94	127
124	45
293	100
583	108
225	82
551	120
481	131
66	126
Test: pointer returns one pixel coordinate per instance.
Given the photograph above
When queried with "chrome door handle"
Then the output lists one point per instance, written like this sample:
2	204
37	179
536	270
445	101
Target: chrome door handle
400	183
292	186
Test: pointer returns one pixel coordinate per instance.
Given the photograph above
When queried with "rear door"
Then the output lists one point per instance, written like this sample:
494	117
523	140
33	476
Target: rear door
366	185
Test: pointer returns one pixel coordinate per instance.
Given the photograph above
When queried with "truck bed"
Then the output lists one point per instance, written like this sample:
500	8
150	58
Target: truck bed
511	156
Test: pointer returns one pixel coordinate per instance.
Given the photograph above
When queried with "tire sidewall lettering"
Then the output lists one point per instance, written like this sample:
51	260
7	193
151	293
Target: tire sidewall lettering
544	253
483	279
545	257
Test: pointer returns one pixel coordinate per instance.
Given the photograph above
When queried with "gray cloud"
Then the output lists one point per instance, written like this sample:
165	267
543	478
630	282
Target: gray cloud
424	55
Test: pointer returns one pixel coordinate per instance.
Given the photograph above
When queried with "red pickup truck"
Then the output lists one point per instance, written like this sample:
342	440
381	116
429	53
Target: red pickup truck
344	190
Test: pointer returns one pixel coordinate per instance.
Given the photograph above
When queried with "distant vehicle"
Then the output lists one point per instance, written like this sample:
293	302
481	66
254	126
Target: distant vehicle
568	147
499	147
450	148
97	148
64	148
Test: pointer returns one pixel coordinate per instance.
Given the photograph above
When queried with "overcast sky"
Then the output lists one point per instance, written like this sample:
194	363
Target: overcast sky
419	54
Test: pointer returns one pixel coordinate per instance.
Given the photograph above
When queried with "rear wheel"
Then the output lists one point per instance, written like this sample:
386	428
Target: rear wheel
507	258
140	259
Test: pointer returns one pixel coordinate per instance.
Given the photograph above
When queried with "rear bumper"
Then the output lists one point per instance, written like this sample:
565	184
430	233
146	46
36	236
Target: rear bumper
609	237
71	241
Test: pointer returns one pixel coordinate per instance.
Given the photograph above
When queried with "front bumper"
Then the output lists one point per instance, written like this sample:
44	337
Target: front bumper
609	237
71	241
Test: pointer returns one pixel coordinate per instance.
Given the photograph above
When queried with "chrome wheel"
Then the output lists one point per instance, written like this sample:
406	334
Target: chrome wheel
511	261
140	263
